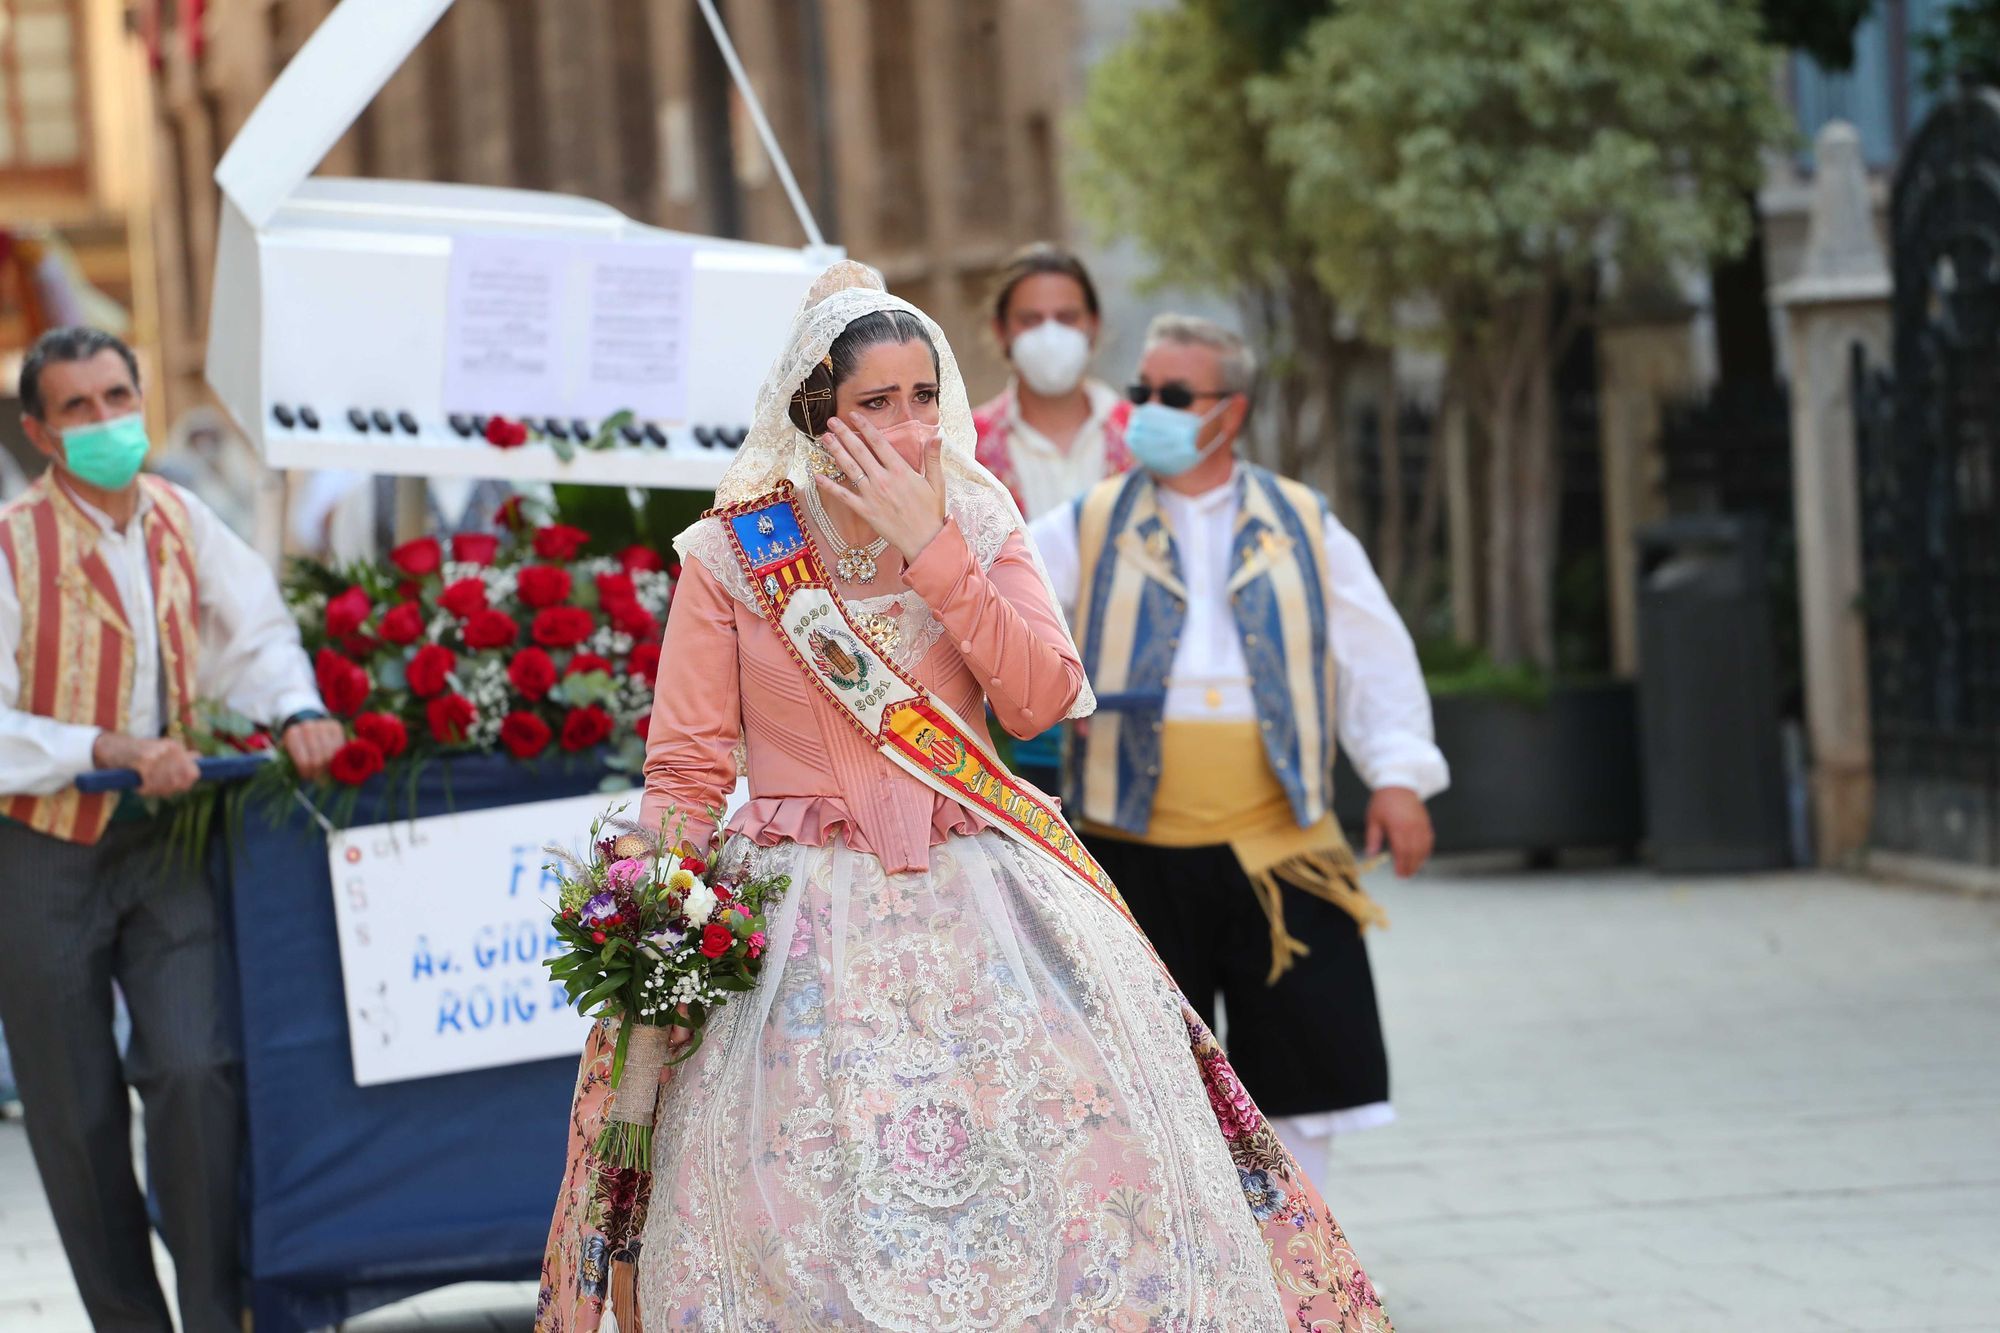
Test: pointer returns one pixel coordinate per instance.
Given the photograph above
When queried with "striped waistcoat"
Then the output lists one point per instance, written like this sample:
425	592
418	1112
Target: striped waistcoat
75	653
1132	605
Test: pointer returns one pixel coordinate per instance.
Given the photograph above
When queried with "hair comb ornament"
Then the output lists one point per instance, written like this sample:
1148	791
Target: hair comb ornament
812	401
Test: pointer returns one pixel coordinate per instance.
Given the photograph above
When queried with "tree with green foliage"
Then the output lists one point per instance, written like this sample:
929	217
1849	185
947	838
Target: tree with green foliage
1486	161
1168	155
1967	49
1823	29
1267	29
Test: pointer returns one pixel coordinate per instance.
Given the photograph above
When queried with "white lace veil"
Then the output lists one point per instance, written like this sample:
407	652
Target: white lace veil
776	450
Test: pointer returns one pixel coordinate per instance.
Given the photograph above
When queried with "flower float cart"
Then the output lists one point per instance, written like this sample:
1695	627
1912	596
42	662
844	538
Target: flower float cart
472	672
358	1196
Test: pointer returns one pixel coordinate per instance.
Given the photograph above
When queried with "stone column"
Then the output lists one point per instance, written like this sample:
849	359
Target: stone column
1645	357
1839	301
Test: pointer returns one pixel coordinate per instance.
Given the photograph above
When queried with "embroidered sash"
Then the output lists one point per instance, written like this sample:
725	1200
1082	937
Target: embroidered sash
916	731
1317	1274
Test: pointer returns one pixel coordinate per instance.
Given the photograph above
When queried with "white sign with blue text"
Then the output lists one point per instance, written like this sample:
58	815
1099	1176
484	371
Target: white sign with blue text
444	923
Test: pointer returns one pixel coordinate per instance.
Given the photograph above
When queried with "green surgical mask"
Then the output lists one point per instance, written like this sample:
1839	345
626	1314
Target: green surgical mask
107	454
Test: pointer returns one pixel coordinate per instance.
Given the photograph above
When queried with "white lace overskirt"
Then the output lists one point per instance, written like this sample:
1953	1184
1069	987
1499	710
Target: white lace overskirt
957	1100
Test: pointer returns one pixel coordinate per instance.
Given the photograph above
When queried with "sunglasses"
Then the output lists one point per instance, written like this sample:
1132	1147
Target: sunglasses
1170	395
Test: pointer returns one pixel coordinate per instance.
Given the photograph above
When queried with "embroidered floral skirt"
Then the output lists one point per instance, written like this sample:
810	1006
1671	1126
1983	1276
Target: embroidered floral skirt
962	1099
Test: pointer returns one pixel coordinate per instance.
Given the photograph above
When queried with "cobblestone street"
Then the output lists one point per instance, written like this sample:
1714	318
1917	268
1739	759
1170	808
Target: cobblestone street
1626	1102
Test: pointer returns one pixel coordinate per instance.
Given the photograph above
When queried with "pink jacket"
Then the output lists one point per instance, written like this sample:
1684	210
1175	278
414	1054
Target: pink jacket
993	421
725	673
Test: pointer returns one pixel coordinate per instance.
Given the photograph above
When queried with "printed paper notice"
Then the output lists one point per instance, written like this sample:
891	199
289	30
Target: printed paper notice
570	329
444	923
639	299
502	326
444	926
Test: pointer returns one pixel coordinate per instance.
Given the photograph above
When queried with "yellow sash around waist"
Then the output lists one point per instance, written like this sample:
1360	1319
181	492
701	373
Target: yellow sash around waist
1216	786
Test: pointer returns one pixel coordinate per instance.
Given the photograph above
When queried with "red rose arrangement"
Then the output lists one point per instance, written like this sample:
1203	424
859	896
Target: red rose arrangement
464	598
585	727
524	642
474	548
504	434
418	558
559	541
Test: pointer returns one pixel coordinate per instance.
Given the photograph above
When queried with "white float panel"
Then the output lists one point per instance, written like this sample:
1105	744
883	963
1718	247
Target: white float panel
330	328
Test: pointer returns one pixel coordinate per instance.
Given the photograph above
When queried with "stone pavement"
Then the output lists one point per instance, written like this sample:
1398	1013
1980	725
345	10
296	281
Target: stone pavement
1637	1103
1627	1102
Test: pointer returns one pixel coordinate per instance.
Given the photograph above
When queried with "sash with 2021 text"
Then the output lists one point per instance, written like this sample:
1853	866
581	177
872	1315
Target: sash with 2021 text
896	714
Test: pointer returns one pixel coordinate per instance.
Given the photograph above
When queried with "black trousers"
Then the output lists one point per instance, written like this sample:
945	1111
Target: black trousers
1308	1044
79	918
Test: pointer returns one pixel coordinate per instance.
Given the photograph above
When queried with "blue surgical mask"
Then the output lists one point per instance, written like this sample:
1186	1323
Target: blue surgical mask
1164	439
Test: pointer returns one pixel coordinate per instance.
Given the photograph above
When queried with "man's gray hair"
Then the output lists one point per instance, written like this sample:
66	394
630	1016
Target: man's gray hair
76	343
1234	357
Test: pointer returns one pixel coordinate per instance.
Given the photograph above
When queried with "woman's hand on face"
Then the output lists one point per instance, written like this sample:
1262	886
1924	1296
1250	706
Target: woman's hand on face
884	491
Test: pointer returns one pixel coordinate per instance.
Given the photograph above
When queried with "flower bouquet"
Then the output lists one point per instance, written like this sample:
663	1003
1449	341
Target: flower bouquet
658	939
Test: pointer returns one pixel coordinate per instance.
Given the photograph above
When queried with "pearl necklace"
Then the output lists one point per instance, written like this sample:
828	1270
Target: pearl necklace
856	564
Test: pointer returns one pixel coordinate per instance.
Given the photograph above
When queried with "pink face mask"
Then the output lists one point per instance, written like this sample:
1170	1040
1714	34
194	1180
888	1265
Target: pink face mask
910	439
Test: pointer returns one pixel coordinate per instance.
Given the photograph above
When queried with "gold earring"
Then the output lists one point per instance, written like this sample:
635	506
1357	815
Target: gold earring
820	462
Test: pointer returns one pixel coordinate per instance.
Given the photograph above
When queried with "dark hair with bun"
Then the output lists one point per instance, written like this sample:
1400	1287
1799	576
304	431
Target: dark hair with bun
812	401
1041	257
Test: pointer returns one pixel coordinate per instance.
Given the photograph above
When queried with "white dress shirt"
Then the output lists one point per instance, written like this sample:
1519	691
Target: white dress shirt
1383	712
1047	475
251	661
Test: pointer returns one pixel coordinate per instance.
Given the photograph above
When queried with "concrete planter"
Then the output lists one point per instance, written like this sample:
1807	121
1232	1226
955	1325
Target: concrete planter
1534	778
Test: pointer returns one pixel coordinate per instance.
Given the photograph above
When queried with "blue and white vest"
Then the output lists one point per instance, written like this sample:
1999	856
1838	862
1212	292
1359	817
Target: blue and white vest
1131	606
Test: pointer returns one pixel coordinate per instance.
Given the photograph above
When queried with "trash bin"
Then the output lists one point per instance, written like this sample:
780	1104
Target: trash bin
1708	698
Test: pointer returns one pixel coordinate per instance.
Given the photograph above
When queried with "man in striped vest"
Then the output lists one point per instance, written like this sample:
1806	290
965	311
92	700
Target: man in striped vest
1235	632
123	601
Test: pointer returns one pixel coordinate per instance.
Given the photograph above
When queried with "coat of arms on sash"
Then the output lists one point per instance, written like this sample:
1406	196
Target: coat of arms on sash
946	754
840	657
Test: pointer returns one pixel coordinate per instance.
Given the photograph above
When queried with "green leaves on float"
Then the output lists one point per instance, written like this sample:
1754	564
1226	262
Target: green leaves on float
585	688
607	430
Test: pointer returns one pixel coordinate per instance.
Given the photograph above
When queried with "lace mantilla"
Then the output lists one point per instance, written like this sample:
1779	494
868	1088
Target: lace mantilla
776	450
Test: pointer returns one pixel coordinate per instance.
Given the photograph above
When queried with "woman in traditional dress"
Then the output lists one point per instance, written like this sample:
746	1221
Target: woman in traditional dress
964	1093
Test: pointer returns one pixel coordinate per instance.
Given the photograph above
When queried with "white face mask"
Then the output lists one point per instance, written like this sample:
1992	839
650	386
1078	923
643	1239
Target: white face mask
1051	357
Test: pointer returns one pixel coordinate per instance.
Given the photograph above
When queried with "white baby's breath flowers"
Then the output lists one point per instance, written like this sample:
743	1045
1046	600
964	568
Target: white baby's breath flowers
486	685
653	589
499	583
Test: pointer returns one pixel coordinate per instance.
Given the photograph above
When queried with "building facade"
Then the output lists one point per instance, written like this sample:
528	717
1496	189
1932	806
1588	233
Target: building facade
945	158
74	188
